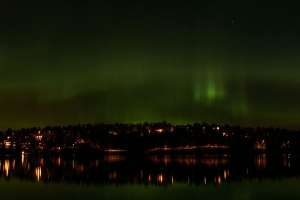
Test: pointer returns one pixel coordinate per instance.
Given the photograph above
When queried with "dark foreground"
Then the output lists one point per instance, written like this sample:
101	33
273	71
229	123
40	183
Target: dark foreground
151	176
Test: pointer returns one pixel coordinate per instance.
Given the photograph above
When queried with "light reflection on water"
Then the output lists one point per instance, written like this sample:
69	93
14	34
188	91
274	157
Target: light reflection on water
166	169
190	160
153	171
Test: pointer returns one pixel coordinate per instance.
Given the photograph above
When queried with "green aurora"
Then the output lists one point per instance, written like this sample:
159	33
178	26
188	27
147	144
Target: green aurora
180	61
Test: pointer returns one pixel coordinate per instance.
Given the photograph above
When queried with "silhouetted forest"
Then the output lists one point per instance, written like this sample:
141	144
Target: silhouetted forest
147	137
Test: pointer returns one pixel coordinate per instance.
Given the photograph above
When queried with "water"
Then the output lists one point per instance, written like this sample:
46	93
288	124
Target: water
151	177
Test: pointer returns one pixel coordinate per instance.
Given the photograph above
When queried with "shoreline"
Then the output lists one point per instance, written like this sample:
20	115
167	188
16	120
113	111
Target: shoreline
156	151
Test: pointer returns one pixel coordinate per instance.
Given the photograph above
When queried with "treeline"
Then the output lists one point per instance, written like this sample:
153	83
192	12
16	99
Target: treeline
144	136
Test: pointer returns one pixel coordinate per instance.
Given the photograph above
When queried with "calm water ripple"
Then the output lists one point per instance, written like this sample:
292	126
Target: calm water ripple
149	177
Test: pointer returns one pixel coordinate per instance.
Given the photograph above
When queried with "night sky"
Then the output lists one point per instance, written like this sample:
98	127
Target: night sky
70	62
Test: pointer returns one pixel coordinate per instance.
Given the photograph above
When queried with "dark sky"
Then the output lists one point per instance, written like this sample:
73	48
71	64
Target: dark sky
69	62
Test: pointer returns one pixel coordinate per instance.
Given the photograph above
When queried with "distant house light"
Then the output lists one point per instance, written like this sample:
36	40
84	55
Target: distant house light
113	133
38	137
160	130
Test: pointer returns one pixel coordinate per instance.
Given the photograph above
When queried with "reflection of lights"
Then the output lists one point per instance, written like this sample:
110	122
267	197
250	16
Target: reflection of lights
22	157
157	176
219	179
58	161
73	164
41	161
261	160
114	158
112	175
6	167
187	161
80	168
160	178
38	173
13	164
214	161
286	161
166	160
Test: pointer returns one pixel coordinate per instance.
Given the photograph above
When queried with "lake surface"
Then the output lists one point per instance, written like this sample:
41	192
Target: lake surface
150	177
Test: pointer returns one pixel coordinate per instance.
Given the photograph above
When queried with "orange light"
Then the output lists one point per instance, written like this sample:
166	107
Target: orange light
38	173
160	178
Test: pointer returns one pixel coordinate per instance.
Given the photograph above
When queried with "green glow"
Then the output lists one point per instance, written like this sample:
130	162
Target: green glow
106	63
214	89
209	87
